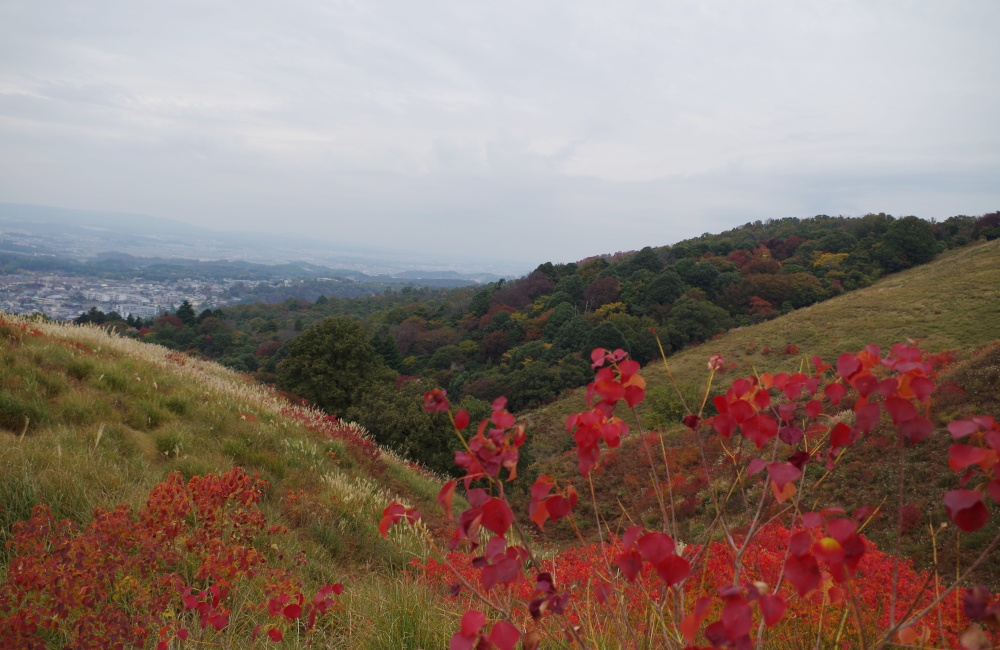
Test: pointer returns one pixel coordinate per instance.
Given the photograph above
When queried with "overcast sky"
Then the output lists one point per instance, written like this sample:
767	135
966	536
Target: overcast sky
530	131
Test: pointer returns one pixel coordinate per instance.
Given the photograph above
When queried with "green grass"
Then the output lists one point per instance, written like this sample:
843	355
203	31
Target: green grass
106	419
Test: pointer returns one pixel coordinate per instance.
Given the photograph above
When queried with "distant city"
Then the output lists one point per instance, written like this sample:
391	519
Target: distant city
62	263
66	297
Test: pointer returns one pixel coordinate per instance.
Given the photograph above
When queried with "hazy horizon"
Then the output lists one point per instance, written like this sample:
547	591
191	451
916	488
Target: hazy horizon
520	132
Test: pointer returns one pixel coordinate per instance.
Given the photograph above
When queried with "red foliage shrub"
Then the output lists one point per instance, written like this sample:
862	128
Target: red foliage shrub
117	581
780	572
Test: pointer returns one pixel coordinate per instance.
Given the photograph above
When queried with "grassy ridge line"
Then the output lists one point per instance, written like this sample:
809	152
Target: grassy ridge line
952	303
110	417
218	378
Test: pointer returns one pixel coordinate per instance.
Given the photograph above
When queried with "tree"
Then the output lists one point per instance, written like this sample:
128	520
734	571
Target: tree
395	416
912	240
601	292
572	335
695	320
663	289
186	313
332	364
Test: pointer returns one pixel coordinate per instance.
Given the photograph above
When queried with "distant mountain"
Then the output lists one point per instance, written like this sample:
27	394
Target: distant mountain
83	235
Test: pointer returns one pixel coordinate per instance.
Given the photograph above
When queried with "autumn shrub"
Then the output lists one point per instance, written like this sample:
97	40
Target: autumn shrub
774	568
186	566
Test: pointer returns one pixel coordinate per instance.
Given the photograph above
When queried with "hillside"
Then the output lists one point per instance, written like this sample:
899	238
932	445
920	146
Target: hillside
949	306
89	421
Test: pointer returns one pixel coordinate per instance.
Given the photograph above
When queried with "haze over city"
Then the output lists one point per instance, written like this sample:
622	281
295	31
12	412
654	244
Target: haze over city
518	131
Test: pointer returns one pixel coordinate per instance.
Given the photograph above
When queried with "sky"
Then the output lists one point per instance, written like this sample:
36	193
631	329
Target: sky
526	131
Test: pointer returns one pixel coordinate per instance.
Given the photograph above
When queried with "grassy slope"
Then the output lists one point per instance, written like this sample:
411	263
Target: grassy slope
88	420
952	304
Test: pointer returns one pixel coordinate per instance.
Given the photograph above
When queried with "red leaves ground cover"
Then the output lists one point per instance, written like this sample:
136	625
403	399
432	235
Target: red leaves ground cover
167	572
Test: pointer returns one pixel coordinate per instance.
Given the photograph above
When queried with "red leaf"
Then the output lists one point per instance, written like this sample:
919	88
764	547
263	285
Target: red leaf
472	622
888	387
787	410
755	466
790	435
760	429
436	400
542	487
630	563
900	409
597	356
691	622
461	419
961	456
782	473
829	550
634	395
842	529
497	516
275	635
692	421
866	385
631	535
628	368
803	572
922	387
338	589
724	424
867	417
673	570
656	547
966	509
814	408
993	489
835	393
504	635
609	390
292	611
558	507
445	496
773	608
840	435
847	365
502	419
961	428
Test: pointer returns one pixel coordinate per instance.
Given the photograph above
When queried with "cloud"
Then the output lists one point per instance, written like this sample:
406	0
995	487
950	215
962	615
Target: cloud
528	130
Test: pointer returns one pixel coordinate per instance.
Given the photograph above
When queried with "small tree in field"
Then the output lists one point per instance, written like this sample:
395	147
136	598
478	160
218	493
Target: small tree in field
331	363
